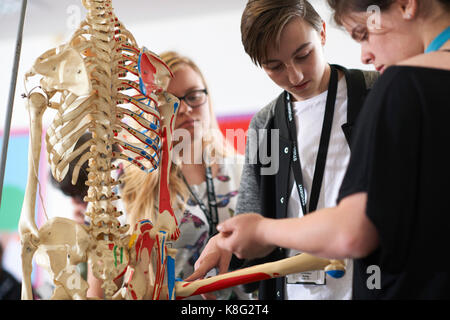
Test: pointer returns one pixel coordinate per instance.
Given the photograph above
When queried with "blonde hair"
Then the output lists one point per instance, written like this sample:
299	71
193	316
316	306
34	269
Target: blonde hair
140	190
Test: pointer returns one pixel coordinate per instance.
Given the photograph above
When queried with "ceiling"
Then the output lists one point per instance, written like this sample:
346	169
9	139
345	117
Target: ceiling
46	16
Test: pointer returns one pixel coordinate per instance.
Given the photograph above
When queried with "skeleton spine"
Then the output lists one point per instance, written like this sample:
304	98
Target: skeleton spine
105	227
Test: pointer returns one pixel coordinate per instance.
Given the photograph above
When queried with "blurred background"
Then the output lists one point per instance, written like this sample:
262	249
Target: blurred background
208	31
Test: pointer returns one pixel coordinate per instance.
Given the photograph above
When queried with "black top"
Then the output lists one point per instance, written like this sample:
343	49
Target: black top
10	288
400	158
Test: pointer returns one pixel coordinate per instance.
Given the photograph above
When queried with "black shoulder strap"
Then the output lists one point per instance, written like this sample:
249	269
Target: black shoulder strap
357	94
357	91
280	115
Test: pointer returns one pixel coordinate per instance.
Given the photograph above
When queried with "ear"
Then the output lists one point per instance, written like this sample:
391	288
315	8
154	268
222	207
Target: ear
323	33
409	8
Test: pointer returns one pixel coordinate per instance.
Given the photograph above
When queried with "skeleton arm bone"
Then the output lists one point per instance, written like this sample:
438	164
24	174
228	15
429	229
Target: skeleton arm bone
300	263
27	226
36	106
166	219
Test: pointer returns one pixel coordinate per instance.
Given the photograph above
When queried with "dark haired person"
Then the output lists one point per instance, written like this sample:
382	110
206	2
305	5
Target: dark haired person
10	288
392	213
77	191
313	116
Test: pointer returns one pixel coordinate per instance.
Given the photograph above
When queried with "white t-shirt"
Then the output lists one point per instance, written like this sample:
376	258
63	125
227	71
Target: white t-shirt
309	116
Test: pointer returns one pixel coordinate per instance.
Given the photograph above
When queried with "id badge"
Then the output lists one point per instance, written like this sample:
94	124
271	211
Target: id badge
310	277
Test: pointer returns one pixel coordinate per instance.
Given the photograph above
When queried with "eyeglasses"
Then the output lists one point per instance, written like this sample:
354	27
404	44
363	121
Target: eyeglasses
195	99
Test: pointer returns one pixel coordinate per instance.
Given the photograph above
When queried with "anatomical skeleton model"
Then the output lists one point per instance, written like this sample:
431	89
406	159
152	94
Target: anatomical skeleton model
101	82
90	82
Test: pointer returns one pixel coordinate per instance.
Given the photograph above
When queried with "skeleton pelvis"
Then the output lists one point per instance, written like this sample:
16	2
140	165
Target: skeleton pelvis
62	242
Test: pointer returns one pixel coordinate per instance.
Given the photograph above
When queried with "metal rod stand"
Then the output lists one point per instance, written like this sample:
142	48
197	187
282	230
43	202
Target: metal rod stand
12	92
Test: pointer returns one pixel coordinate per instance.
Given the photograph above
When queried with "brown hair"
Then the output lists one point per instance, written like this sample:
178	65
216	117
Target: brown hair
342	8
80	189
263	20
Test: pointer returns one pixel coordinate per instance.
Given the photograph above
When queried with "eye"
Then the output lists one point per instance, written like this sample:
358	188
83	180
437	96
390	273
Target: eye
196	98
274	67
366	37
303	57
360	34
193	97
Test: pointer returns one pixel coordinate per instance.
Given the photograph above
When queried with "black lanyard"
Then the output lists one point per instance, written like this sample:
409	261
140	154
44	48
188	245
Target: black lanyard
323	146
211	214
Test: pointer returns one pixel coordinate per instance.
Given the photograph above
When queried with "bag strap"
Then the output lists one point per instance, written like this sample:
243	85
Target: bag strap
357	91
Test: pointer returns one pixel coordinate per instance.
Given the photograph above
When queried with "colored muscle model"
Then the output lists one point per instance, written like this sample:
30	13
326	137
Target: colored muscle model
101	82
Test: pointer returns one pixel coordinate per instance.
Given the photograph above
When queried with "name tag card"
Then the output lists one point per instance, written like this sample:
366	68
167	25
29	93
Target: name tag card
310	277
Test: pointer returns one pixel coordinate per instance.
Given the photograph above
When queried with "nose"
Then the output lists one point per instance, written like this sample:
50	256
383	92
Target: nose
367	57
184	107
295	75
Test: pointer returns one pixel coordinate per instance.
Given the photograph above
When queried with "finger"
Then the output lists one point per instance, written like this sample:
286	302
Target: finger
226	238
233	245
224	263
226	226
226	234
209	296
203	266
197	274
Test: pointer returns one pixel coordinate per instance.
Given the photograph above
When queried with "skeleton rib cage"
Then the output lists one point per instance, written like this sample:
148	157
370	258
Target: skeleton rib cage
102	82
